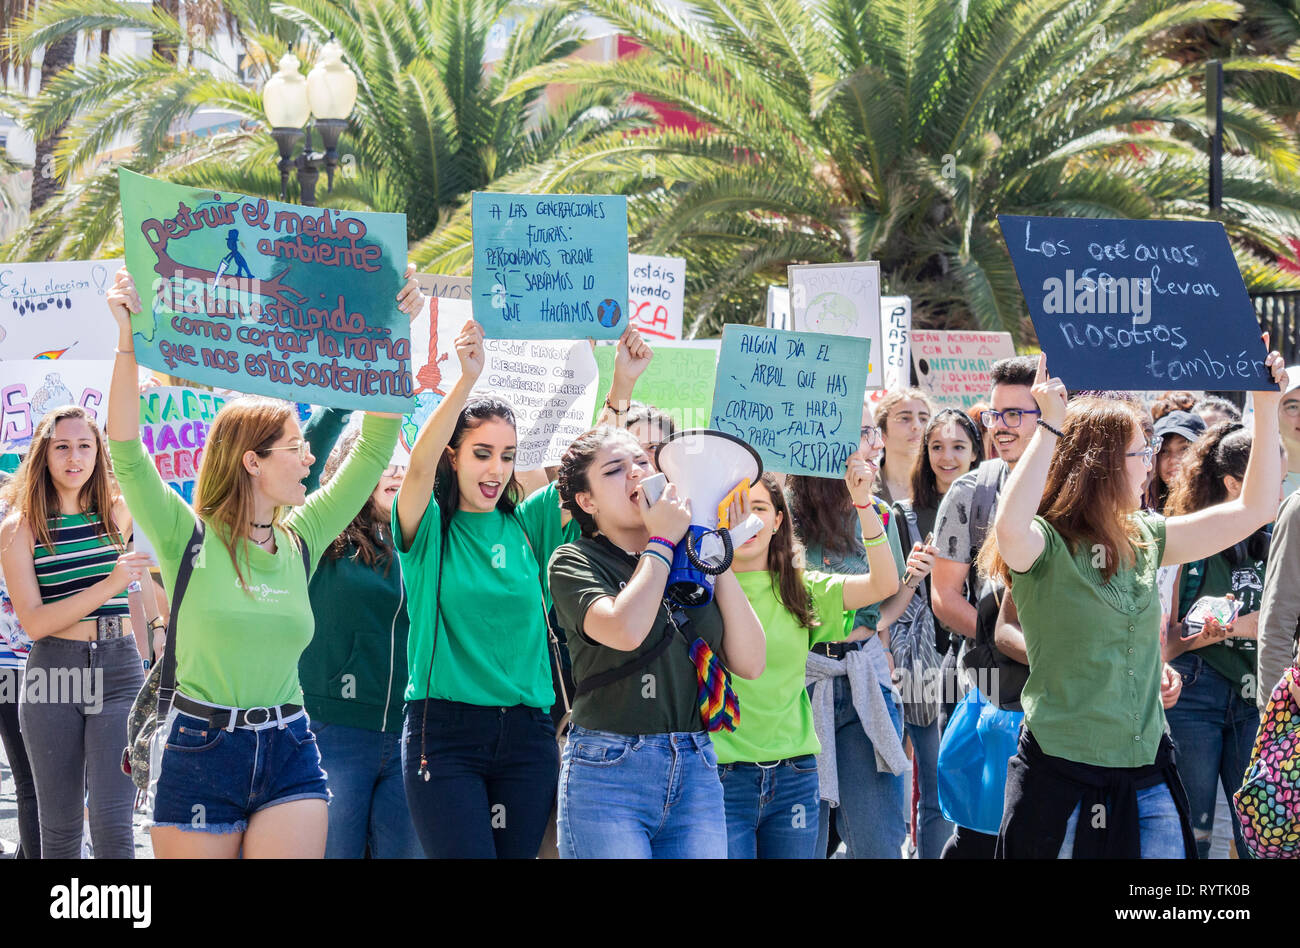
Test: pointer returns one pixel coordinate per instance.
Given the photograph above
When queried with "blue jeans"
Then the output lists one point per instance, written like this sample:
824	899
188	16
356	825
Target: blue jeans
871	817
1158	826
640	796
1213	728
771	811
368	804
932	830
491	779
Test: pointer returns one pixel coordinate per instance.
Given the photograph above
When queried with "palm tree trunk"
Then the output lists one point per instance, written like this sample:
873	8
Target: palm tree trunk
45	185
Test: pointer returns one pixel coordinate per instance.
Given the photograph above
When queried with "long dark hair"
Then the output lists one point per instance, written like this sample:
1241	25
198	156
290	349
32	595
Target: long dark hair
1223	451
572	478
365	532
787	578
821	507
925	486
446	489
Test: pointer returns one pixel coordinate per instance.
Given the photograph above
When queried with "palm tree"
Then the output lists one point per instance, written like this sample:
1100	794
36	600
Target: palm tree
897	130
429	125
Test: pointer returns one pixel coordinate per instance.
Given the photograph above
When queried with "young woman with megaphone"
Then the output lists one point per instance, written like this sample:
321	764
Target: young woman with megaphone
768	764
639	776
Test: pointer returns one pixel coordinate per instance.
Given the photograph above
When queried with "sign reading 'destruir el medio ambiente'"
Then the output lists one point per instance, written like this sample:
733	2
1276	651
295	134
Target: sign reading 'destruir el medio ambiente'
550	266
795	397
1133	305
174	423
56	309
298	303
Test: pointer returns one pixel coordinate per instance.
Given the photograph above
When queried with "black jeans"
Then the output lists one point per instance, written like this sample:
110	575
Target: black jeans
492	779
29	827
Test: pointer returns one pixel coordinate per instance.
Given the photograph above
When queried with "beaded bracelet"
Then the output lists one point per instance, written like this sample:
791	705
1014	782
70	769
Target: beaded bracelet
1059	434
618	412
659	556
877	540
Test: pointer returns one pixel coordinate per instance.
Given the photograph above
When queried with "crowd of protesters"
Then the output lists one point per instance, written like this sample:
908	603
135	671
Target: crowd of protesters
451	658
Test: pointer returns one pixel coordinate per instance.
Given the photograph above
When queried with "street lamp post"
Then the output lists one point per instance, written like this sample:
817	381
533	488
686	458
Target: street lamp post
291	101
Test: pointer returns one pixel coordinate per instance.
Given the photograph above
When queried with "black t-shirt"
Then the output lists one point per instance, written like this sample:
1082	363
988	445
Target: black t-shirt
657	699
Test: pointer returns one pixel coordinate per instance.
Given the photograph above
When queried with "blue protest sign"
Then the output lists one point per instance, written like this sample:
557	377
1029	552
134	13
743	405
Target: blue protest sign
1136	305
795	397
550	266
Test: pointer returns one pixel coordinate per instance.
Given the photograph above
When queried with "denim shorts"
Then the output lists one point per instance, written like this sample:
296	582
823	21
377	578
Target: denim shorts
211	780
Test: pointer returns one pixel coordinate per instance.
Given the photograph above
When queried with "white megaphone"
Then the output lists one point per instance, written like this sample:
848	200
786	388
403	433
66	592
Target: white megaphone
708	467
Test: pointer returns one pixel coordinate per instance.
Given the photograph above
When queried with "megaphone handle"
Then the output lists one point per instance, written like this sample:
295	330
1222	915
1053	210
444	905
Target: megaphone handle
727	553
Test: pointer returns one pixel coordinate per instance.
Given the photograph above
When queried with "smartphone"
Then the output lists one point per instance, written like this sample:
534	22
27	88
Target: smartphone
929	539
653	487
1225	611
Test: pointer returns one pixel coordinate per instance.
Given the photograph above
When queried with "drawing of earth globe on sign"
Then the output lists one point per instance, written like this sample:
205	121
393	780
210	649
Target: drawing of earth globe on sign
609	312
831	312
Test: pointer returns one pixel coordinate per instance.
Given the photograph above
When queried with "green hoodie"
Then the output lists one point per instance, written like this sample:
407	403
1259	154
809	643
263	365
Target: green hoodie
354	671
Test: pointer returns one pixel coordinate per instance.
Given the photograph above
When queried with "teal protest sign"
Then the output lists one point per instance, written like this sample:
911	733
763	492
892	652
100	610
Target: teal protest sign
273	299
550	266
795	397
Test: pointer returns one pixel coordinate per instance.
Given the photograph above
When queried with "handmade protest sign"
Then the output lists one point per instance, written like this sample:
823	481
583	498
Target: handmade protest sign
551	385
1127	305
445	287
840	299
32	387
272	299
795	397
896	325
550	266
174	424
954	368
778	308
56	310
678	381
656	294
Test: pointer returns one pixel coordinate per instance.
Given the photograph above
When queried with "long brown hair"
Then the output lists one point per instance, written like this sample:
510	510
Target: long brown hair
36	498
224	492
1222	451
365	532
787	578
821	507
1086	497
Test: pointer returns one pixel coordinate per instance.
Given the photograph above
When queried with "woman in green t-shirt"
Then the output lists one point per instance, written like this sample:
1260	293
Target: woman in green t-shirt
478	746
1094	775
1215	720
639	777
768	764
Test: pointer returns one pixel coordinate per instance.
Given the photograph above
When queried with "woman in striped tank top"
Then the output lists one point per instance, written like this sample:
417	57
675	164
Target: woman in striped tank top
62	552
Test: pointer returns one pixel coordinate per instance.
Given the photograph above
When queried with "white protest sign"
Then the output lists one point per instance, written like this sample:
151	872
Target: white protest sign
656	295
33	387
778	308
954	368
840	299
446	287
49	309
896	320
550	384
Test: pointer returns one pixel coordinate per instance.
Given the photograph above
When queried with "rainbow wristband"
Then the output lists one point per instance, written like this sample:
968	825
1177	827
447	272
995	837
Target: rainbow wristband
659	556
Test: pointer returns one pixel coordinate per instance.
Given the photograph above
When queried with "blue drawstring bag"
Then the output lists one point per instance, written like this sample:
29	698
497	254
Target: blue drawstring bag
973	756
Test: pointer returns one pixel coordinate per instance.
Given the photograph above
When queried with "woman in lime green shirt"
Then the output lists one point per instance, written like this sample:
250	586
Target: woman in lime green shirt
478	746
240	772
1080	557
768	764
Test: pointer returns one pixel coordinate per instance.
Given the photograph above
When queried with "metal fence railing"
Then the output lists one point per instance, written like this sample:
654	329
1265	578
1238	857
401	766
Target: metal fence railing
1279	315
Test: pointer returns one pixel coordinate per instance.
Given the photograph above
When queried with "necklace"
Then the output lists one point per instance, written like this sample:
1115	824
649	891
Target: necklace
260	526
269	537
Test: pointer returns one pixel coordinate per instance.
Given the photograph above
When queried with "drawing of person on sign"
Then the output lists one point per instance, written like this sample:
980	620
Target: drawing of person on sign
233	257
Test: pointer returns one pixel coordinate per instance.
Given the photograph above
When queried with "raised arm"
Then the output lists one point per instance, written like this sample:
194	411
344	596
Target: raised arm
417	489
882	580
1020	545
1206	532
124	393
1279	614
631	358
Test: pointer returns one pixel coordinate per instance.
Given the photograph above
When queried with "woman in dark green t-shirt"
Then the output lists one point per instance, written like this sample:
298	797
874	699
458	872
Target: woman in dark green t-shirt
1081	558
478	746
1215	720
639	776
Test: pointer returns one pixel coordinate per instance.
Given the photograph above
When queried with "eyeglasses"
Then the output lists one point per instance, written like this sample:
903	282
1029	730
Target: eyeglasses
1011	417
869	433
302	447
1146	454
